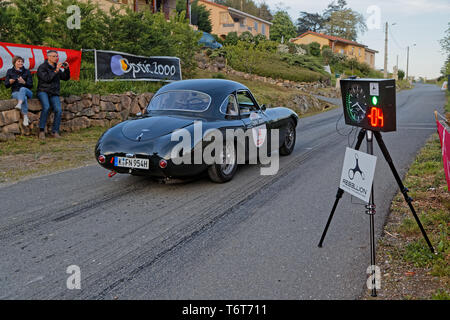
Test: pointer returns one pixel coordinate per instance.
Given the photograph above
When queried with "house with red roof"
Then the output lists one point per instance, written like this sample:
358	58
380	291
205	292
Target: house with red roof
347	47
227	19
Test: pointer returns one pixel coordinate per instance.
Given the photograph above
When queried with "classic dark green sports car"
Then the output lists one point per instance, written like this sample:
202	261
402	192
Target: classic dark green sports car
191	109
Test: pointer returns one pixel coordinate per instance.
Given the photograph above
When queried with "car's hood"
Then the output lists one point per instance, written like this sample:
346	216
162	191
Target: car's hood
153	127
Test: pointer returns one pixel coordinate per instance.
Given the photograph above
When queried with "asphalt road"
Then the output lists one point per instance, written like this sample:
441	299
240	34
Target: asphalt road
252	238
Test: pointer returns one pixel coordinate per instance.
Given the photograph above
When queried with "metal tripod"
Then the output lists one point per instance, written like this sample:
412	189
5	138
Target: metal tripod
371	205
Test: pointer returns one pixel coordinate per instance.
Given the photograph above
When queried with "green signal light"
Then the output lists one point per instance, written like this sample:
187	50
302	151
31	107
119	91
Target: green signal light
374	101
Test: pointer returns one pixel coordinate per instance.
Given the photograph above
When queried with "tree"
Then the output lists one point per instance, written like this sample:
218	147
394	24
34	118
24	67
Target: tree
28	20
6	27
445	46
401	74
334	7
445	42
200	16
264	12
92	19
310	22
283	28
345	24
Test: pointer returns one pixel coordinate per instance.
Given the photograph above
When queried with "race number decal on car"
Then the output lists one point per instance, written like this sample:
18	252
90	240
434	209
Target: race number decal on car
259	133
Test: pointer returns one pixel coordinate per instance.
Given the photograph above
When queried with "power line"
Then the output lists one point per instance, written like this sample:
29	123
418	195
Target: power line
395	40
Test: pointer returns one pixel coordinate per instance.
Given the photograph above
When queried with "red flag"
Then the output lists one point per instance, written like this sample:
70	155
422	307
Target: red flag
34	56
444	136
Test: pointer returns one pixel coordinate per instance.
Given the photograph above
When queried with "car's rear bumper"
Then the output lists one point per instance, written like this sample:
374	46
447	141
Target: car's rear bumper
155	170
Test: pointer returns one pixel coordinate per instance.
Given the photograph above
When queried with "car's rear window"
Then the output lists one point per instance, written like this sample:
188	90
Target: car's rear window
183	100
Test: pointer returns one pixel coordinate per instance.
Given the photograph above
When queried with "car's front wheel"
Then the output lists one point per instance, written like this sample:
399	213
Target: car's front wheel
224	171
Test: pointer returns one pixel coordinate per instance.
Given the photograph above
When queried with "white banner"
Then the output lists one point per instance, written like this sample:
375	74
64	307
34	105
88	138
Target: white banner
357	173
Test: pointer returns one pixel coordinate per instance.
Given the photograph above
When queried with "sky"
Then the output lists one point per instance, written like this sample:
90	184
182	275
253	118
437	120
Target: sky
419	22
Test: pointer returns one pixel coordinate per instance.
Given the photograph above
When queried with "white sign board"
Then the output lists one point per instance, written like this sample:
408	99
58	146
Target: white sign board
357	173
374	89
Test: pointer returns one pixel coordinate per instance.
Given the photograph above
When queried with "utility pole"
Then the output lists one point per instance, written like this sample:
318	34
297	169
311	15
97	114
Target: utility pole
407	62
386	51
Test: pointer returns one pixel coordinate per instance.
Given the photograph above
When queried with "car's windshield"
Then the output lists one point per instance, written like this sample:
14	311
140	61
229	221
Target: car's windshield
184	100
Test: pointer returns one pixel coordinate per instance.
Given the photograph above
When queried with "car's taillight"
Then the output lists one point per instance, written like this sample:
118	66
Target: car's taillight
162	163
101	159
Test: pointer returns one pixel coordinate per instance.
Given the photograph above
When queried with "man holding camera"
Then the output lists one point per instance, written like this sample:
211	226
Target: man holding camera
49	75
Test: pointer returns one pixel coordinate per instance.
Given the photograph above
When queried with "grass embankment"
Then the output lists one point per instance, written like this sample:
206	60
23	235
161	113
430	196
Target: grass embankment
268	94
409	269
28	156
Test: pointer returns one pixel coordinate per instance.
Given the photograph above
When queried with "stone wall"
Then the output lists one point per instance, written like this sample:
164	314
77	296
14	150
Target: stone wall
78	112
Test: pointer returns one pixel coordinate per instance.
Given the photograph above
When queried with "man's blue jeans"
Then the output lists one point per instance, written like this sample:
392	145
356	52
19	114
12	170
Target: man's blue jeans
46	102
22	95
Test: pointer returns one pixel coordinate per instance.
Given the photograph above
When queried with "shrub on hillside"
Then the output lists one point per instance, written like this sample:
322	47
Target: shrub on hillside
327	55
246	36
250	59
314	49
231	39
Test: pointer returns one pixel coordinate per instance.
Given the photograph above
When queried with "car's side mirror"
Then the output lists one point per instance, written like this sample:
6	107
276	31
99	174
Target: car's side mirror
263	107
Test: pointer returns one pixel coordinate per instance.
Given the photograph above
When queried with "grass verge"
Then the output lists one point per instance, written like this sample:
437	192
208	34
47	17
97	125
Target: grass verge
409	269
29	156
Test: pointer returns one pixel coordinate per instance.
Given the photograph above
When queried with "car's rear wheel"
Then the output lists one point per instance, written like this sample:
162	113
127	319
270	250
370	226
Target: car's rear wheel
288	144
225	171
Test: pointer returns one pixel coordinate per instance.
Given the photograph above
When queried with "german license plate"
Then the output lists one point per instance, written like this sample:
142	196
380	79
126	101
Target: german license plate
135	163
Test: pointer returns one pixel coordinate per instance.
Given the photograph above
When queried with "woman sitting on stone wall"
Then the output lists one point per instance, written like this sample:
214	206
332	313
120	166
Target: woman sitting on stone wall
21	83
